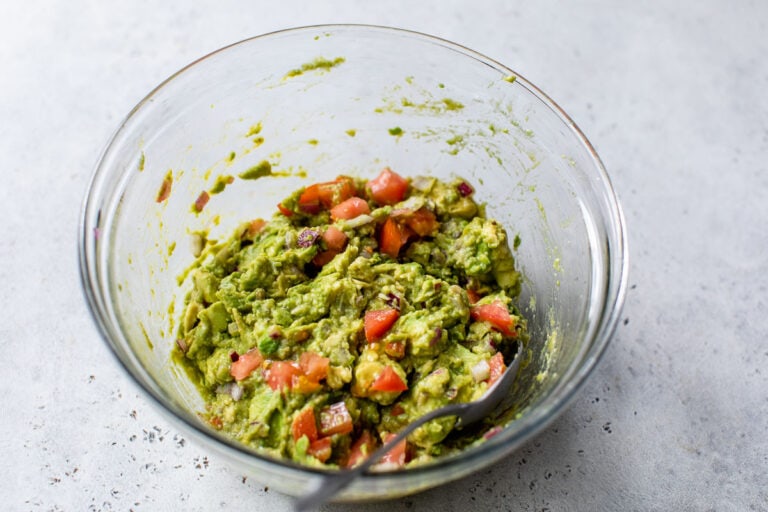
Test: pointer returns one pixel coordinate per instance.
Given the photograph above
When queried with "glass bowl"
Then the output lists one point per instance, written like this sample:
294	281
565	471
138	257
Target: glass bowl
321	101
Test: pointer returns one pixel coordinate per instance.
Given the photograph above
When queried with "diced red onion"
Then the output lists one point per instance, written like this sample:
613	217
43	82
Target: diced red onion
481	371
307	238
437	337
464	189
360	220
182	343
393	301
422	183
232	389
234	356
492	432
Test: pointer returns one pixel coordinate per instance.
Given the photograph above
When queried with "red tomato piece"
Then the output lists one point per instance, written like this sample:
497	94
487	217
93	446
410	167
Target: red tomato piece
335	419
349	209
495	314
302	384
497	367
423	222
361	449
392	237
314	366
246	364
334	239
388	380
377	323
285	211
280	375
387	188
327	194
201	201
341	190
309	200
324	257
321	449
304	424
255	227
395	349
395	456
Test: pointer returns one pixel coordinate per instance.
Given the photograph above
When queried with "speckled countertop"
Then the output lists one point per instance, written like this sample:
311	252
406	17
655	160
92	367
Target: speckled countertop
673	96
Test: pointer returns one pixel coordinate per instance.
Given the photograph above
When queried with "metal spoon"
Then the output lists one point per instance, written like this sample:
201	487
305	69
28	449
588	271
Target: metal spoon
466	414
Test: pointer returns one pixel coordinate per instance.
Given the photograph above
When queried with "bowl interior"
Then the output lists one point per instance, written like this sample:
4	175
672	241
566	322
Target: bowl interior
323	101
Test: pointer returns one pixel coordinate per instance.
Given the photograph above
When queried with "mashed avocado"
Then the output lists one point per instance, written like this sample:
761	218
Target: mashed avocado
358	307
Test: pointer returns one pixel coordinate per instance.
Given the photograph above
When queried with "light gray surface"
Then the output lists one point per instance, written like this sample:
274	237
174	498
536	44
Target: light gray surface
673	96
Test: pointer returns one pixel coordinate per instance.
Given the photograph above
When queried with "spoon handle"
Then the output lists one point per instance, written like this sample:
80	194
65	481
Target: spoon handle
327	486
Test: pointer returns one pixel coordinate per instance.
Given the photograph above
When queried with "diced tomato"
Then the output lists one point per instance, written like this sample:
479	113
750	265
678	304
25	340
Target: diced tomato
335	419
280	375
473	296
304	424
309	200
395	349
361	449
349	209
320	449
246	364
165	188
324	257
495	314
388	380
285	211
326	195
497	367
395	456
387	188
344	188
334	239
201	201
377	323
396	410
216	422
314	366
255	227
392	237
423	222
303	384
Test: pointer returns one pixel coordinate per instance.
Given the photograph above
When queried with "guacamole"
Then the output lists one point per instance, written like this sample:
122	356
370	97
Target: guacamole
358	307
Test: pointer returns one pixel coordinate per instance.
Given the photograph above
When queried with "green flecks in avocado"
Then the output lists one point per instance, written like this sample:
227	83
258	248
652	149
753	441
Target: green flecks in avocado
263	168
319	63
258	141
142	161
452	104
516	242
221	183
312	142
351	132
456	139
409	80
231	157
171	248
254	130
146	336
396	131
510	78
441	85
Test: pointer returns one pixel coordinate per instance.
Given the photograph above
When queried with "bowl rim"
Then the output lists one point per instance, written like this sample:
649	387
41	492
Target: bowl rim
527	426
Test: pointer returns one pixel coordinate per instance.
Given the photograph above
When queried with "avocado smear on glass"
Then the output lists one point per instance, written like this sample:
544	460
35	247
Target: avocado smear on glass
358	307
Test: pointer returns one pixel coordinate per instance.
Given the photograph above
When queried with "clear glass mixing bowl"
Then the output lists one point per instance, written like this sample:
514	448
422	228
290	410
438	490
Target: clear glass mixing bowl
321	101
